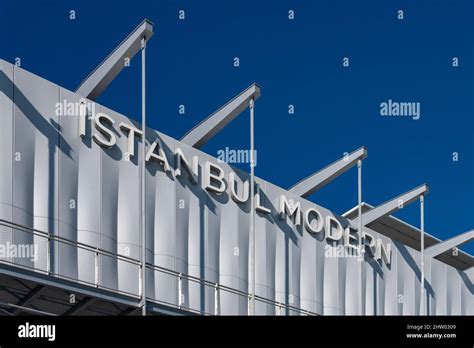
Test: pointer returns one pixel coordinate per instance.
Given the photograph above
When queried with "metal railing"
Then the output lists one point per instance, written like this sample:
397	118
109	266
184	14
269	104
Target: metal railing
54	253
84	264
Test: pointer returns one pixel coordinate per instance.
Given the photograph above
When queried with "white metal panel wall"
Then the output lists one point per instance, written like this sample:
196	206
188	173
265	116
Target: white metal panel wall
331	284
352	289
406	280
342	285
381	285
36	136
128	224
390	278
453	284
438	279
265	258
308	276
6	150
189	228
68	204
467	290
294	299
416	268
226	244
111	163
319	272
231	250
281	268
429	301
89	202
207	236
164	223
244	239
370	287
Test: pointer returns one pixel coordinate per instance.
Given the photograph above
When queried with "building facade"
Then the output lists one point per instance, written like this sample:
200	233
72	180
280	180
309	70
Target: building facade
69	187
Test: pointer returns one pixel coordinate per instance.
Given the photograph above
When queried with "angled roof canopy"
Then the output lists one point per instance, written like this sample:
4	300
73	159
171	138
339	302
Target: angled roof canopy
314	182
449	244
392	205
206	129
99	79
410	236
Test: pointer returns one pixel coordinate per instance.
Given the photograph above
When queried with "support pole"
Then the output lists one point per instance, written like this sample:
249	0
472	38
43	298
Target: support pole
361	247
422	228
252	203
392	205
321	178
142	175
359	202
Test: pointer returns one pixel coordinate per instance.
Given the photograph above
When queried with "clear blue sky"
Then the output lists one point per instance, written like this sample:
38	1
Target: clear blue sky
296	62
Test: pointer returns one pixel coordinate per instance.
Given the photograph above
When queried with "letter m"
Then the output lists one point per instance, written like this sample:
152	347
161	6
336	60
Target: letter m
291	209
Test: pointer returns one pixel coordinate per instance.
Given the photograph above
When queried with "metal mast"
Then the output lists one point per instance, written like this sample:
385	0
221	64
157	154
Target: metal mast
252	203
422	227
142	181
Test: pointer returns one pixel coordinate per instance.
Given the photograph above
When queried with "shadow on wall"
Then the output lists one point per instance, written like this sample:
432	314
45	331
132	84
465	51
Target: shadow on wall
51	131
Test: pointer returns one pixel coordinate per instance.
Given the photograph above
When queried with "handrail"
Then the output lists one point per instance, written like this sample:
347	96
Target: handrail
67	241
205	282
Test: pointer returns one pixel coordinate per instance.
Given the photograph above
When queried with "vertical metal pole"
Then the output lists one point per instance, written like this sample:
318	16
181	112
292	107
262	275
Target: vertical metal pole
180	290
142	175
96	267
252	203
422	227
82	117
359	201
48	260
216	299
359	213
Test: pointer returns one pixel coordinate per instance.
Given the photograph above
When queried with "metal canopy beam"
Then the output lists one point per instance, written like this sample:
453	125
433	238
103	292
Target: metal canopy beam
67	285
206	129
449	244
98	80
127	311
3	310
25	309
314	182
392	205
79	306
27	299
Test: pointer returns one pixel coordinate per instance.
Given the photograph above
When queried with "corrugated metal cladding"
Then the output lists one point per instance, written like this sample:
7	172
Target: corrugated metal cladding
207	238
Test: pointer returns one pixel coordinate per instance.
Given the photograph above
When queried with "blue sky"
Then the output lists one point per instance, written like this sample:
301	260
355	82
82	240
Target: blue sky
297	62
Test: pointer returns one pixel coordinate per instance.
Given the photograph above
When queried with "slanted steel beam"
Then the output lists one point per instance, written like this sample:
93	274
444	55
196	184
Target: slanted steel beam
27	299
314	182
67	285
6	312
86	301
25	309
392	205
449	244
206	129
127	311
98	80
